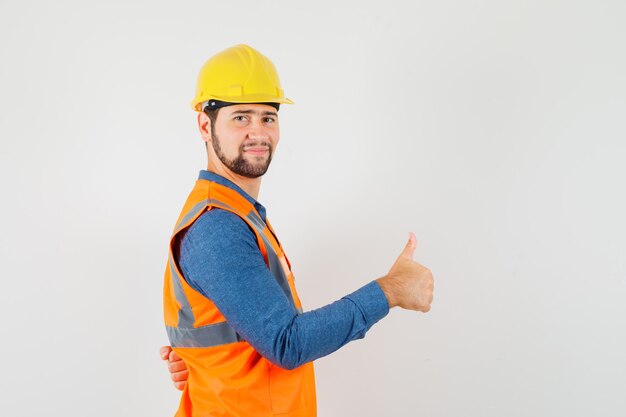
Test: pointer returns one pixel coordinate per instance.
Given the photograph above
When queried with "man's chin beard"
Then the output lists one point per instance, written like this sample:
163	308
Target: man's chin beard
240	165
253	171
243	167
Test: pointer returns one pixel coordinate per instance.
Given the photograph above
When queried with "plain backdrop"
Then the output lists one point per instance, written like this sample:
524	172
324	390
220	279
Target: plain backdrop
494	130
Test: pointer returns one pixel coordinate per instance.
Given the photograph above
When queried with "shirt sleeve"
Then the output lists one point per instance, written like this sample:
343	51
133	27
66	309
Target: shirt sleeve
219	257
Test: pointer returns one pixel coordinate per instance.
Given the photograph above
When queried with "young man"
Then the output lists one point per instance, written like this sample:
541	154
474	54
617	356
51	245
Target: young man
232	312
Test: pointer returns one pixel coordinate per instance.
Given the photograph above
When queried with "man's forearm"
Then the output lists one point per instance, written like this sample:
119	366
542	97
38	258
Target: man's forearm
322	331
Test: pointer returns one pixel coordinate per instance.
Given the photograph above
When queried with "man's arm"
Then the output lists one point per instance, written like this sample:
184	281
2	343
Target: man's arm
220	258
408	285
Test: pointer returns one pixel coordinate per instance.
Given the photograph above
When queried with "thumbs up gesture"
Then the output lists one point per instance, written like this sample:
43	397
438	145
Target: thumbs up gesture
408	284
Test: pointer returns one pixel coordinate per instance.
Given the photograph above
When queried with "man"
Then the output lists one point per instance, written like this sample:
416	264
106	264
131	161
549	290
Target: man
232	312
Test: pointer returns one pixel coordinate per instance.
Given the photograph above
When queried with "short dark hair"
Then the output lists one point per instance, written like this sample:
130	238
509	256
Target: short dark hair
212	113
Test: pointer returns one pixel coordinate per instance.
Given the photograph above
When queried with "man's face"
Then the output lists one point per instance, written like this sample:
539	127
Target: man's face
244	137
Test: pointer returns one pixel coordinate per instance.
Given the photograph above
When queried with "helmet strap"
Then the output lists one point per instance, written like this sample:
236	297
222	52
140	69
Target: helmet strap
218	104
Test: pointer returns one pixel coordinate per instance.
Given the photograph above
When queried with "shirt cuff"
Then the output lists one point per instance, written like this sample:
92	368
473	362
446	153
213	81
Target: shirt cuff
372	301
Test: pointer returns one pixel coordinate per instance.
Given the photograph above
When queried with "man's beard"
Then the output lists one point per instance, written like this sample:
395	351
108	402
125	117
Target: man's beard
239	165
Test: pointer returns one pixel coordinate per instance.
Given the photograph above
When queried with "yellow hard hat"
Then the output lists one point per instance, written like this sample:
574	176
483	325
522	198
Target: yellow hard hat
239	74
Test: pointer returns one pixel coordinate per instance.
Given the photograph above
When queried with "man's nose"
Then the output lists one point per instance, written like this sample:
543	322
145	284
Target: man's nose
258	131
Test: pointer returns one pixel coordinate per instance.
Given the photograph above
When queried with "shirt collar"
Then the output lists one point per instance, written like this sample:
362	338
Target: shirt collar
212	176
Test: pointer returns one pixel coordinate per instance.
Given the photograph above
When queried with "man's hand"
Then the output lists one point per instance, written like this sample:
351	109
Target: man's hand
408	284
178	370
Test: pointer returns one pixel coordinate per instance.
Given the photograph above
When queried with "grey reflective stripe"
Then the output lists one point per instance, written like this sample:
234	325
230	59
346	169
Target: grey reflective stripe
275	266
185	314
256	219
190	214
205	336
277	270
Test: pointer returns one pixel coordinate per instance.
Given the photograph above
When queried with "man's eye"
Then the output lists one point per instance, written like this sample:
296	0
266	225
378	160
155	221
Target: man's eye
269	120
240	118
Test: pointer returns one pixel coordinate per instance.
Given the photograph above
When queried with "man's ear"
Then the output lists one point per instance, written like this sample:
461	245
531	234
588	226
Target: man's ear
204	125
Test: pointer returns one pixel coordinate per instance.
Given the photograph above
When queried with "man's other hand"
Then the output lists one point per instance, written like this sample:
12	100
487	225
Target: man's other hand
408	284
177	367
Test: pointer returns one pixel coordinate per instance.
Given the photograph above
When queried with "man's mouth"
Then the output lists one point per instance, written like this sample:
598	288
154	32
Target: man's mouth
256	150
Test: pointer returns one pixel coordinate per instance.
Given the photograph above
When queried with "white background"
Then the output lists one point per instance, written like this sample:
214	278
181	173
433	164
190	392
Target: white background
495	130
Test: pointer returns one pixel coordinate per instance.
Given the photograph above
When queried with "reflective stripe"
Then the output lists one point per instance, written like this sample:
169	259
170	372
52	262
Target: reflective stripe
205	336
256	220
192	212
277	270
185	314
275	266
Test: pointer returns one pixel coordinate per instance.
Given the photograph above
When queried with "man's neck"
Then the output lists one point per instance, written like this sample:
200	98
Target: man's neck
249	185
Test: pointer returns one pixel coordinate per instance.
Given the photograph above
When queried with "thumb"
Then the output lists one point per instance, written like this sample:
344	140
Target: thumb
408	250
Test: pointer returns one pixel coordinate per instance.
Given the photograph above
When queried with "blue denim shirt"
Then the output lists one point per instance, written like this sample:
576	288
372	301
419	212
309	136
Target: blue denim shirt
219	257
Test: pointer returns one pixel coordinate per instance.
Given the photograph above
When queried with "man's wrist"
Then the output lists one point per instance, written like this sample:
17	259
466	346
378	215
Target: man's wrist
388	290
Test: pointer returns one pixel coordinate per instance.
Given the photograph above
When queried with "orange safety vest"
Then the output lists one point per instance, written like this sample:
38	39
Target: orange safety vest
227	376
